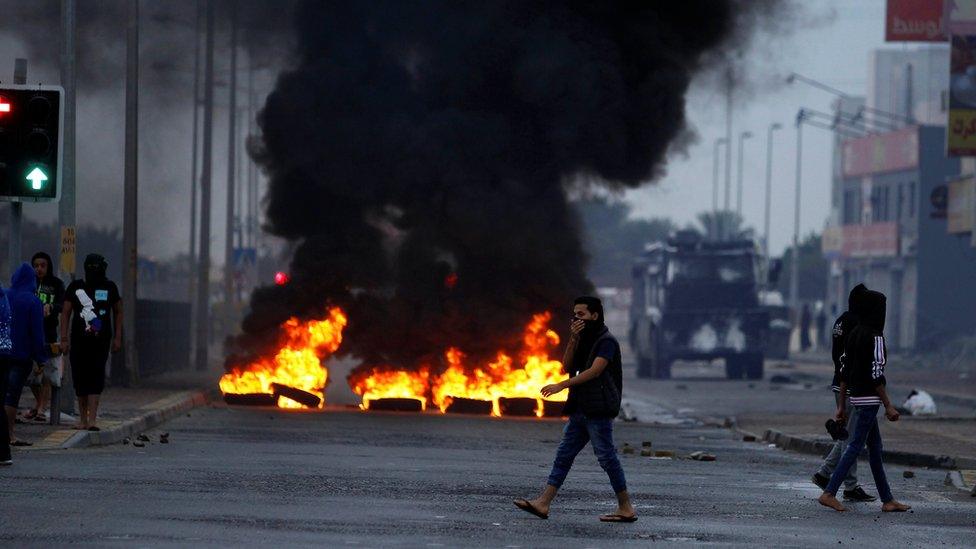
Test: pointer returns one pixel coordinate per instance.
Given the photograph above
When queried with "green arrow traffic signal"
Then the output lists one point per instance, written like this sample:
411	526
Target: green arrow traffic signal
37	178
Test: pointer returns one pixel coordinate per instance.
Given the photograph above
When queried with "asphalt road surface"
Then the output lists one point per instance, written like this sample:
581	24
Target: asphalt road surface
256	477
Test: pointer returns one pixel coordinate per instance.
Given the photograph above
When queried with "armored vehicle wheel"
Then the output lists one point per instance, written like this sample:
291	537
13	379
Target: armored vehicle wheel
734	367
754	367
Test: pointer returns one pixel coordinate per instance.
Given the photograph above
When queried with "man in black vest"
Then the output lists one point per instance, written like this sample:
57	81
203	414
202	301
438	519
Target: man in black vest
592	361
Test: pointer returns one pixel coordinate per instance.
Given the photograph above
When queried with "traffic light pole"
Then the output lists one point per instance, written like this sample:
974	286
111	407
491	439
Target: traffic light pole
14	256
130	216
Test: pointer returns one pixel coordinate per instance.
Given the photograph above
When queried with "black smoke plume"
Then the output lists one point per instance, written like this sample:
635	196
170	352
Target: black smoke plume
421	153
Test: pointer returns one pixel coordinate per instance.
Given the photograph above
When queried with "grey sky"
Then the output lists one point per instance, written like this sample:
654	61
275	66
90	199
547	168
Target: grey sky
833	49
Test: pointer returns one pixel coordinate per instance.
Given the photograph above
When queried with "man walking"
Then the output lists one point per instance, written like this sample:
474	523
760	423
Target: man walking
93	311
595	383
50	290
842	328
863	371
27	337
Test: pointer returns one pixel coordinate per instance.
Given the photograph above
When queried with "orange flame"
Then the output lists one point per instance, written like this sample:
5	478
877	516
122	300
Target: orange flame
297	364
500	378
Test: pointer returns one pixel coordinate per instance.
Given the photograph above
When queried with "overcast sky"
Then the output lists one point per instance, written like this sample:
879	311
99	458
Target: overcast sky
833	48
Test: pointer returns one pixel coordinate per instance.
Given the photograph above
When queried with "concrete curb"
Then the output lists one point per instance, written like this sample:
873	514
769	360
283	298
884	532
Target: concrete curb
912	459
148	420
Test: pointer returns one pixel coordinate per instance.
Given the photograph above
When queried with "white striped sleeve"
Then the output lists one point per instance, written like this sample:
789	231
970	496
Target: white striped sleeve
878	363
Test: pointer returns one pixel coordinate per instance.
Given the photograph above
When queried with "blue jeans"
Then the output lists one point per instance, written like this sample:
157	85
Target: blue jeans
865	431
597	431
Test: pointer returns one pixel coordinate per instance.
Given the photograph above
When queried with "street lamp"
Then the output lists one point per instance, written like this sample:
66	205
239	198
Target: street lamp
769	182
738	191
795	260
714	228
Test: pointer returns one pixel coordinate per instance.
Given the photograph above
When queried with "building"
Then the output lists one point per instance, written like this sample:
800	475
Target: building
909	83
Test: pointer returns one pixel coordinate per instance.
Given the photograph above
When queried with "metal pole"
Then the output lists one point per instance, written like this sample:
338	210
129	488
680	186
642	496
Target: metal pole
715	185
203	272
728	151
251	189
231	170
193	163
769	186
795	259
130	215
738	193
66	206
14	255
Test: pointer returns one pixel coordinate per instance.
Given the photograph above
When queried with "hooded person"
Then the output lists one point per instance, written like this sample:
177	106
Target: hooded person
593	363
6	345
863	373
843	326
93	312
50	290
26	337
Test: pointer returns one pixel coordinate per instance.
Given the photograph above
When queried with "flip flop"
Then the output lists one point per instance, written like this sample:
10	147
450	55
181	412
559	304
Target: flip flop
21	443
524	505
617	518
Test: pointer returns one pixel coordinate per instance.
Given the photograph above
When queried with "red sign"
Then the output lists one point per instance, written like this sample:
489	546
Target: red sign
875	240
914	21
889	152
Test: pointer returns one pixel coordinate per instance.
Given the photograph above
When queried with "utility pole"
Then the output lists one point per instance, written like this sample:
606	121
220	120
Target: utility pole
738	193
795	259
203	274
229	293
192	260
728	151
715	166
130	215
769	185
14	256
66	207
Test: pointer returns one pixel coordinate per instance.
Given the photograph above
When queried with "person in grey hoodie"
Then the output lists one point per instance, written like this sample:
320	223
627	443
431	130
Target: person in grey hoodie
27	338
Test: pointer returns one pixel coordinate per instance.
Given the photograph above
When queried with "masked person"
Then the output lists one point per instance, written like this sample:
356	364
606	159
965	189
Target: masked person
93	310
596	379
863	371
50	290
843	326
27	336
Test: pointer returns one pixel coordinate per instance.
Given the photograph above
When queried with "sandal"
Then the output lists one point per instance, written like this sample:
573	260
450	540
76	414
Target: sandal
40	418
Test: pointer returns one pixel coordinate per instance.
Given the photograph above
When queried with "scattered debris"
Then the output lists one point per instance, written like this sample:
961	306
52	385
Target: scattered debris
628	449
908	474
748	438
701	456
664	454
138	444
627	412
126	440
920	403
142	438
646	444
647	452
164	438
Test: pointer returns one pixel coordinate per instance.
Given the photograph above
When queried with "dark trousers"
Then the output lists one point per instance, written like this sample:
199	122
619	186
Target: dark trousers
866	431
598	432
4	433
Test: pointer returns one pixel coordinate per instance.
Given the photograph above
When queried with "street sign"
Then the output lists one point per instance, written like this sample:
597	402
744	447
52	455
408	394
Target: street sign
31	122
68	249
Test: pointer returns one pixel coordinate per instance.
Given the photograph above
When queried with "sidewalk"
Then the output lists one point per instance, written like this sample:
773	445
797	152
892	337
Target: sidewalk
123	411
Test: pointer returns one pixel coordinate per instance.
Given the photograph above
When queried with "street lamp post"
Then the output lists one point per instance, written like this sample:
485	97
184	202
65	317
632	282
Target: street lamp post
714	228
738	192
795	260
769	185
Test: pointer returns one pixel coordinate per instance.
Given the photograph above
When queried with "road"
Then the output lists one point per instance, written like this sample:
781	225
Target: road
254	477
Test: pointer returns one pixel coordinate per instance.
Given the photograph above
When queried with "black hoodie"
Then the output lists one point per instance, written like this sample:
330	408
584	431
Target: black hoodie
865	353
50	290
842	328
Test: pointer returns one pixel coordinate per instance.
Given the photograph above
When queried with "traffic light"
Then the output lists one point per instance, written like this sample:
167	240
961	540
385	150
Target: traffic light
31	122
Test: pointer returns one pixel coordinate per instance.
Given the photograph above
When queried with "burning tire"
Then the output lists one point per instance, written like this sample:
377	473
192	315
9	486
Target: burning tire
469	406
250	399
298	395
396	405
518	406
553	408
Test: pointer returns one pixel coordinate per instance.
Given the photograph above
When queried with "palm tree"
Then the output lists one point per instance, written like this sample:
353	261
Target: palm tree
724	225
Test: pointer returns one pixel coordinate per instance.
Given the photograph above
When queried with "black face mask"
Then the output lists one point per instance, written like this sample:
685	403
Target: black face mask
95	267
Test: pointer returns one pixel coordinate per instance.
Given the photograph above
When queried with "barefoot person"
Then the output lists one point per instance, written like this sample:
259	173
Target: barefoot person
93	311
592	361
843	326
863	368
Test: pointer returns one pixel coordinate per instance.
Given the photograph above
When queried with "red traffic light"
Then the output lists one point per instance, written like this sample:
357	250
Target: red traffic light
4	105
281	278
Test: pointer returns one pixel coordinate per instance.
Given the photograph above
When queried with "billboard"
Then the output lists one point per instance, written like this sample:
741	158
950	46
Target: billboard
874	240
888	152
960	23
914	21
961	209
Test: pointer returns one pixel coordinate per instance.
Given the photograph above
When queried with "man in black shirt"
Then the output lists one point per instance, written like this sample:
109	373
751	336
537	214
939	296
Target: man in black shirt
593	362
50	290
93	310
